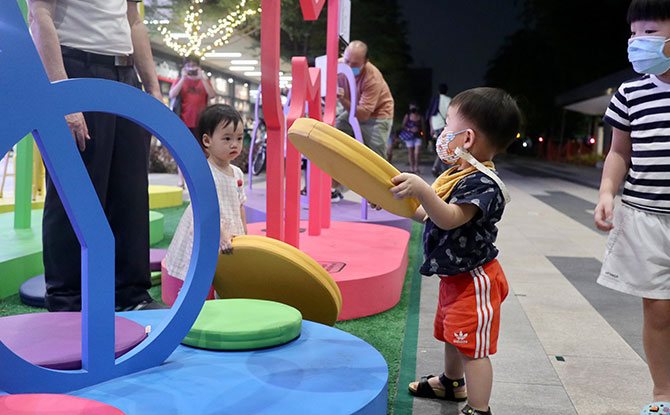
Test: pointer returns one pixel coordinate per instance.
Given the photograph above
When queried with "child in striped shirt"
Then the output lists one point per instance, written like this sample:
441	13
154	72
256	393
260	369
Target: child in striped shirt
637	256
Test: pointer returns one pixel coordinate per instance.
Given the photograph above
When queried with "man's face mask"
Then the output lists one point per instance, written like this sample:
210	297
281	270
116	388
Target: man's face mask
356	71
646	55
442	146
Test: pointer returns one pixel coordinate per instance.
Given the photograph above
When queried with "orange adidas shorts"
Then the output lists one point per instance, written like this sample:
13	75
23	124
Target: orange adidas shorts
468	312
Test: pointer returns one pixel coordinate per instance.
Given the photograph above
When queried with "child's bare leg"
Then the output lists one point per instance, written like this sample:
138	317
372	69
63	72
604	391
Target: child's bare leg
479	377
453	367
656	338
417	150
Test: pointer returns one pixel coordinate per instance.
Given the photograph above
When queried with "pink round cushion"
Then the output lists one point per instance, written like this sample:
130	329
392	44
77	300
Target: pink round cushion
52	404
170	286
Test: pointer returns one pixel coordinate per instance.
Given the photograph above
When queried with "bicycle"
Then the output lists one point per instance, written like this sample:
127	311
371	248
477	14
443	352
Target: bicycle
259	149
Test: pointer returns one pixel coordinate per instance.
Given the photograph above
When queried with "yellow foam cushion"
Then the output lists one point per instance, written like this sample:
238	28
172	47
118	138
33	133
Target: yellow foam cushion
350	163
165	196
267	269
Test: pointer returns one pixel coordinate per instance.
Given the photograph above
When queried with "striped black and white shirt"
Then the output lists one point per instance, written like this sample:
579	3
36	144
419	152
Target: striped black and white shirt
641	106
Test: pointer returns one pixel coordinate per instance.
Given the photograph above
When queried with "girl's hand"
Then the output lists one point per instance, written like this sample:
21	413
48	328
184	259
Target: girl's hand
408	185
604	213
226	244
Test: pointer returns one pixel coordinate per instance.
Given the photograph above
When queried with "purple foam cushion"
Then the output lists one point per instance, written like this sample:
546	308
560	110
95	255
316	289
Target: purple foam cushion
155	258
53	340
53	404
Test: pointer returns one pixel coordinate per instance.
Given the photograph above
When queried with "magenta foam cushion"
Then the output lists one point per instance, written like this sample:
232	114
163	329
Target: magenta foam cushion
53	404
155	258
53	340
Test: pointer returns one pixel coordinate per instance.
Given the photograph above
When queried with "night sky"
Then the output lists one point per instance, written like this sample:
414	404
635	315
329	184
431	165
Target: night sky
458	38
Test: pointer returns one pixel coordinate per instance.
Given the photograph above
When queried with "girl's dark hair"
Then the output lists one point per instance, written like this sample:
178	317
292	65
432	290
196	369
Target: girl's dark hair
214	115
648	10
493	112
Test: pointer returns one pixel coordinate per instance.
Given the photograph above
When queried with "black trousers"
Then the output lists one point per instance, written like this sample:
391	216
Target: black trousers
116	158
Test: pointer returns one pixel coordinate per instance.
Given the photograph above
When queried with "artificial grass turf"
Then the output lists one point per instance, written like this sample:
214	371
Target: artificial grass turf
385	331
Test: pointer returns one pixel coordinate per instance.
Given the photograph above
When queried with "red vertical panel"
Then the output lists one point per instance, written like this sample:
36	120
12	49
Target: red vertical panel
274	116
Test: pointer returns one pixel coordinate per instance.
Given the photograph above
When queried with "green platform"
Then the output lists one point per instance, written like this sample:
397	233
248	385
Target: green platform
21	249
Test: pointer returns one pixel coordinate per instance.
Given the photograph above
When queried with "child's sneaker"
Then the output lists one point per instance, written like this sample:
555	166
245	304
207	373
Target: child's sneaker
656	408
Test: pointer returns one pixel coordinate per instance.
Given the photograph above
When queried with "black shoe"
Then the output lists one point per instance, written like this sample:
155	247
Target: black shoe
144	305
336	195
468	410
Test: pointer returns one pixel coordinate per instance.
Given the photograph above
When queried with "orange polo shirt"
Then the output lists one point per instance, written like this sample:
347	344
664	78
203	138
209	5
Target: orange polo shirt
372	91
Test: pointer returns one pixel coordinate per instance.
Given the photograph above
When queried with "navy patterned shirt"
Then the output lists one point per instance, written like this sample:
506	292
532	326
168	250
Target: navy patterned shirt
471	244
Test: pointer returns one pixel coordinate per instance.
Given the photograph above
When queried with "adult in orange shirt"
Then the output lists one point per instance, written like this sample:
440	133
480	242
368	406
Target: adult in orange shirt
195	90
374	109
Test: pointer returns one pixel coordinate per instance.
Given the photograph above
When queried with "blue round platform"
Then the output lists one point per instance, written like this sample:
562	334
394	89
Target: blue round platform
33	290
324	371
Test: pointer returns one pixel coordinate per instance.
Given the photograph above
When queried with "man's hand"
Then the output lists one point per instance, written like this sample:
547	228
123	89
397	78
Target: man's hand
340	92
184	72
156	94
604	213
77	125
409	185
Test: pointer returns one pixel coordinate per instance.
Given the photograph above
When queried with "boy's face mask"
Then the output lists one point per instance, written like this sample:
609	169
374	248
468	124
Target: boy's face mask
646	54
442	146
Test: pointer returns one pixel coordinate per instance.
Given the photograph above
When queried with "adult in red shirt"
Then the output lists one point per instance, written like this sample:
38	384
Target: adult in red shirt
195	90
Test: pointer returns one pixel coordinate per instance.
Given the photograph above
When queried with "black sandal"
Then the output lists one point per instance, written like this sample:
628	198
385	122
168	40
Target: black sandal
424	390
467	410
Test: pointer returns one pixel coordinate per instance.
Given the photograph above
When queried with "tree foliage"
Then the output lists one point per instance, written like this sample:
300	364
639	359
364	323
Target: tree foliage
562	45
376	22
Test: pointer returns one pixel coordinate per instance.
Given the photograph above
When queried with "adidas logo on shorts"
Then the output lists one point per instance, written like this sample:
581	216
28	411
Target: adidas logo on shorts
460	337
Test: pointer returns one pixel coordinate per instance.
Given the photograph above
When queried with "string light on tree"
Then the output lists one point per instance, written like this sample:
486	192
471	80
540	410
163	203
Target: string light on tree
200	42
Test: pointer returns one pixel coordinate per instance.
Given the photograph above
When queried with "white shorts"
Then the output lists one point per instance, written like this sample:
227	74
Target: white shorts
637	256
412	143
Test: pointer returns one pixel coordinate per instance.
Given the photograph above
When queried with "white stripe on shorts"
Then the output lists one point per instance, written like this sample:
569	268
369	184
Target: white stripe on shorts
479	314
484	312
490	308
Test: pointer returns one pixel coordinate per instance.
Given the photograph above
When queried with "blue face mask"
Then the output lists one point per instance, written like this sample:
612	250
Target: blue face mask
646	55
356	71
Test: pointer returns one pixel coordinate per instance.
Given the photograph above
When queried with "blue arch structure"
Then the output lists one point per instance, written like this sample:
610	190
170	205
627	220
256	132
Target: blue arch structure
33	104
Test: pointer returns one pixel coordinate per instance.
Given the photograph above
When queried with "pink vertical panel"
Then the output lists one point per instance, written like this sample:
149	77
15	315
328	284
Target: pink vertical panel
274	116
293	158
315	198
311	8
316	188
326	182
332	53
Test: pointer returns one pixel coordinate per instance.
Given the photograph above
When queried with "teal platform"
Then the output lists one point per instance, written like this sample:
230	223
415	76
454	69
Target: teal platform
21	249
